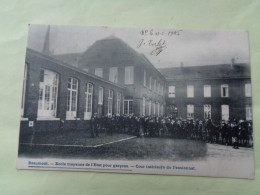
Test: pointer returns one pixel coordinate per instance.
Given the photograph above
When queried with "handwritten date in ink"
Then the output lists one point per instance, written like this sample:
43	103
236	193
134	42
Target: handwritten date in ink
152	32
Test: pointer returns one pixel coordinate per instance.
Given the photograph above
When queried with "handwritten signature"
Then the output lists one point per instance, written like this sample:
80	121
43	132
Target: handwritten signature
159	45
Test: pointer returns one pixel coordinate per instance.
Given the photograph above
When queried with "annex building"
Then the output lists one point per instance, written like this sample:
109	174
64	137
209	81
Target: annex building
111	78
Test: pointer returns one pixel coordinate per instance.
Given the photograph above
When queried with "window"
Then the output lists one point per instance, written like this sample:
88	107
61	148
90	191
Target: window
207	91
89	101
158	107
118	103
162	109
110	103
171	92
207	111
100	95
144	78
154	86
224	90
154	109
249	115
162	90
150	83
190	91
72	99
158	88
248	90
48	92
113	74
225	112
24	90
129	75
128	106
190	111
150	108
144	106
99	72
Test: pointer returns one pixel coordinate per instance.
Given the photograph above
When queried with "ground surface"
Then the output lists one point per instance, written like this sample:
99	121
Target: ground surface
127	147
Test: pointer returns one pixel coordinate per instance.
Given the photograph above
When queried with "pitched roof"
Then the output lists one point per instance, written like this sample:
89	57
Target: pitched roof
113	51
207	72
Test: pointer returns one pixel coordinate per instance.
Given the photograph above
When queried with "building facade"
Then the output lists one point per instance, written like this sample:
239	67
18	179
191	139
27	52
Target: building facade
217	92
110	78
113	60
54	91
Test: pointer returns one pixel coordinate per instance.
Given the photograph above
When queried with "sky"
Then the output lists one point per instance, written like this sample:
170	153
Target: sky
187	47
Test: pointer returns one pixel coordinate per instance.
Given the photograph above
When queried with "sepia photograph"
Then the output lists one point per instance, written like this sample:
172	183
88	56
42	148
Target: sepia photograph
137	100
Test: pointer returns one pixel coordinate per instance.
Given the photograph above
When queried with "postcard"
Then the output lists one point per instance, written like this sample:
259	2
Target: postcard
137	100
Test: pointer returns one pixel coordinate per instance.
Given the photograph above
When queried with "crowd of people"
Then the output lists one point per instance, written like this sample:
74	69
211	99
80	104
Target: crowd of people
235	133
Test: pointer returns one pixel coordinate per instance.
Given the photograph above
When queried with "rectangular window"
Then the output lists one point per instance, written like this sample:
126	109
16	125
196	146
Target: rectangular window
171	92
100	95
144	78
207	111
99	72
154	86
190	111
207	91
129	75
162	91
48	92
154	109
150	108
158	108
72	99
89	101
248	90
190	91
144	102
224	91
110	103
113	74
128	106
118	103
249	113
158	88
225	112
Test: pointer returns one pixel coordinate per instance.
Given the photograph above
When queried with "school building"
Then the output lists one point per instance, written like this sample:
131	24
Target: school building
111	78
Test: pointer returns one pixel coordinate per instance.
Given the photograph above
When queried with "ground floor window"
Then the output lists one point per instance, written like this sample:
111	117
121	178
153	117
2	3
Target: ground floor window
154	109
144	106
110	103
48	92
249	113
225	112
158	108
207	111
128	106
190	111
89	101
150	108
118	103
72	98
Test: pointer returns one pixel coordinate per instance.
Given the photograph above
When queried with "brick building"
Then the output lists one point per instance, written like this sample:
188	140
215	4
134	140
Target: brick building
55	91
113	60
110	78
219	92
